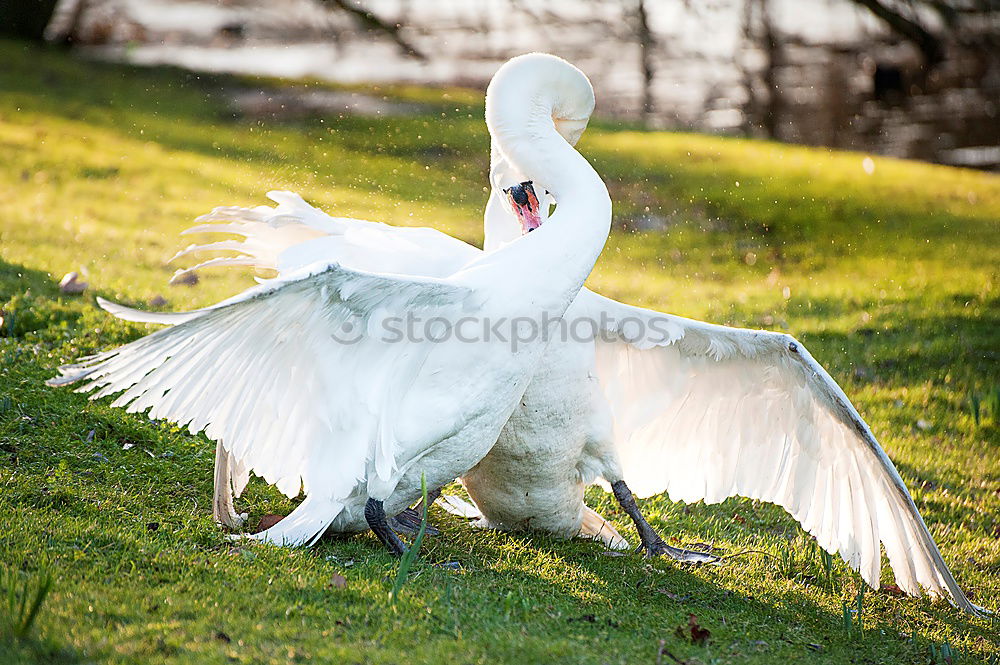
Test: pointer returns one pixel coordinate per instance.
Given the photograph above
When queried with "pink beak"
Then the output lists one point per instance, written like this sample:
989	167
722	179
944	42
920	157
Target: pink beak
523	200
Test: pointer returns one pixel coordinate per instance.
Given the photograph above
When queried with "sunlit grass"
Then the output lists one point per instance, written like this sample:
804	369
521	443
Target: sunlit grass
890	278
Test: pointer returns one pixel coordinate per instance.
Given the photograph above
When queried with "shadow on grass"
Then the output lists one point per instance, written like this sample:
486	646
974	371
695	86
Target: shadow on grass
37	650
33	307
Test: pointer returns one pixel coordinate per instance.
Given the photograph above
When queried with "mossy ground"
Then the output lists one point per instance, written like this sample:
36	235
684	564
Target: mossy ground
890	278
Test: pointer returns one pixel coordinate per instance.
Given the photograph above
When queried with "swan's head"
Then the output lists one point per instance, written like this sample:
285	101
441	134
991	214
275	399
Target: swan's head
528	97
524	202
528	83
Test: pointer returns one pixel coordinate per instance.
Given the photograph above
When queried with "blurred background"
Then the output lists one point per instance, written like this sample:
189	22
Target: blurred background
907	78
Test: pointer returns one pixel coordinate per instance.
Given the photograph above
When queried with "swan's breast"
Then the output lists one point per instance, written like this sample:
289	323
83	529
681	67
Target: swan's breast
531	477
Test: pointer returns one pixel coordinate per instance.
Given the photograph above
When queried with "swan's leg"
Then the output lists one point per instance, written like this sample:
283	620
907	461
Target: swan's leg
651	541
223	510
409	520
375	516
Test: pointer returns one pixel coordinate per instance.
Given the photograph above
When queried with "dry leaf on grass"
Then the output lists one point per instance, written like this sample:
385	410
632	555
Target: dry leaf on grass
267	521
892	590
694	632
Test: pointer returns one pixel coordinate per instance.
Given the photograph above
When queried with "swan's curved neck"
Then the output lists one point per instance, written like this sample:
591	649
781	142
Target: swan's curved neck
500	225
521	102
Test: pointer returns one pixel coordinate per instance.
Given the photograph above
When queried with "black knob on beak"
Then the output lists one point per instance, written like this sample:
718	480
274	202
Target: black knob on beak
519	196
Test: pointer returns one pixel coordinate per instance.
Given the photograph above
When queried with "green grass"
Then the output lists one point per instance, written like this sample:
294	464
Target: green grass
891	279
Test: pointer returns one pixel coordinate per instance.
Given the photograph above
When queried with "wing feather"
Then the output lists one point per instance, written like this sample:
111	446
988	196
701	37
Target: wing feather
293	234
265	375
706	412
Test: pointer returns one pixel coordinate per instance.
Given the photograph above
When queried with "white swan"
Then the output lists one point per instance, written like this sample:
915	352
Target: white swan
656	403
296	380
702	412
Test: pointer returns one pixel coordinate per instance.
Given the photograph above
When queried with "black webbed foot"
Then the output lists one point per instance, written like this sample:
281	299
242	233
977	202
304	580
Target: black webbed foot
408	522
660	548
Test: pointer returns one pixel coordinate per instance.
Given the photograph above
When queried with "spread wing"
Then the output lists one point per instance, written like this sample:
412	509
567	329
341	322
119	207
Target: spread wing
291	376
706	412
294	234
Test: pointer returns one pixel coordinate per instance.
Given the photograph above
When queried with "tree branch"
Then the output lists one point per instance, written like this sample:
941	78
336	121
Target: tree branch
373	23
646	45
929	45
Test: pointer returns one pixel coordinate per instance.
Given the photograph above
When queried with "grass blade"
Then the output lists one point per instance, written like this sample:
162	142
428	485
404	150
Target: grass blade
24	601
37	598
414	550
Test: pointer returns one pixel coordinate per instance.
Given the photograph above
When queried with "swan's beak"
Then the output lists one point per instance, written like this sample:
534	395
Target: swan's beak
524	202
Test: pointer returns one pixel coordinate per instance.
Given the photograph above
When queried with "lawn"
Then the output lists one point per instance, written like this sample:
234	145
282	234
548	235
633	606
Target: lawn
889	275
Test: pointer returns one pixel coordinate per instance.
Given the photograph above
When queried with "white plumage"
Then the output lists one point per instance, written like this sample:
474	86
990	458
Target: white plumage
663	403
266	376
700	411
708	412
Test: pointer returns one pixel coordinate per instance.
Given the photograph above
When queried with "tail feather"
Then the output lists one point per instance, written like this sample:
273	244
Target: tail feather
456	505
245	260
596	527
304	525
